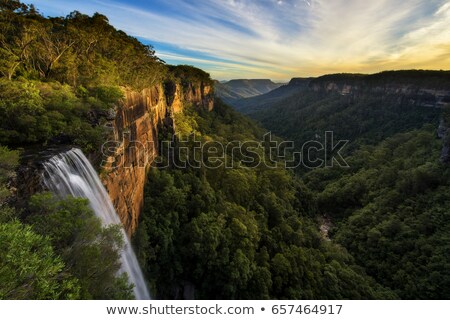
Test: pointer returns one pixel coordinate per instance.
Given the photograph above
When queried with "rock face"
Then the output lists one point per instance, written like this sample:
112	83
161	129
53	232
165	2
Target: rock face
134	141
420	88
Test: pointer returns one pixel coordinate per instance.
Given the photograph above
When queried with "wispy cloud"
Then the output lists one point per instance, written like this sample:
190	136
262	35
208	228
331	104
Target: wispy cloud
284	38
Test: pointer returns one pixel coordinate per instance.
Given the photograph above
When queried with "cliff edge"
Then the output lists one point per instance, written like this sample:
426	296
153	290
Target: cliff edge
133	145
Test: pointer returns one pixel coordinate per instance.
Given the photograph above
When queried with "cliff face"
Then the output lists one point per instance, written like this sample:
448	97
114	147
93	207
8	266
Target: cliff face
134	142
421	88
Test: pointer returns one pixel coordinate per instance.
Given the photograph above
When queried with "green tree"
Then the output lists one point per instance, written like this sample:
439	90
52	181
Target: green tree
29	268
89	250
242	233
8	163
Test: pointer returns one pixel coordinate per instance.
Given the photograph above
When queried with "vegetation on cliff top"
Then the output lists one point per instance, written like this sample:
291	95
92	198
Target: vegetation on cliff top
60	76
79	50
422	78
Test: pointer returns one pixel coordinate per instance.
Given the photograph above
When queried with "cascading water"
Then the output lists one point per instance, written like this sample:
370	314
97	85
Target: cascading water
70	173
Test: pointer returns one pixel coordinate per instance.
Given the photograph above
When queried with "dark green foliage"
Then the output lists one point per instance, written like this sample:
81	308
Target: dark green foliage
8	162
391	209
64	252
29	268
59	77
363	120
436	79
34	112
90	251
189	74
239	233
77	49
22	113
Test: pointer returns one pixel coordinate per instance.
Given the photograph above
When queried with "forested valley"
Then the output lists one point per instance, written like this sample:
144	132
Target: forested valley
389	206
250	231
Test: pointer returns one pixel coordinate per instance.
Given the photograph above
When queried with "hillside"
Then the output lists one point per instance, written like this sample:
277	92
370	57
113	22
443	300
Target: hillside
235	90
244	231
360	108
431	87
387	203
259	102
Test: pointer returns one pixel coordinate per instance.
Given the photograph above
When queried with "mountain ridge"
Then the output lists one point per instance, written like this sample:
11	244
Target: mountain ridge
428	88
236	89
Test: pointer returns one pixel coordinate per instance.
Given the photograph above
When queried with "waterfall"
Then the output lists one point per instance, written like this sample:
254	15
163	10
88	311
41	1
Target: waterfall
70	173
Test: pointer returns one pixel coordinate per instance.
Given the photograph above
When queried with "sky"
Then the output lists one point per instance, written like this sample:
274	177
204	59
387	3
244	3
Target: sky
281	39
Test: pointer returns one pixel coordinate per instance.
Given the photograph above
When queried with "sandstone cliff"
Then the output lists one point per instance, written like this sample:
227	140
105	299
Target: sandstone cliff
421	88
133	146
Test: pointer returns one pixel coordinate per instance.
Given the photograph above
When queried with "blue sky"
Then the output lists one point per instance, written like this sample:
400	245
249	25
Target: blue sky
280	39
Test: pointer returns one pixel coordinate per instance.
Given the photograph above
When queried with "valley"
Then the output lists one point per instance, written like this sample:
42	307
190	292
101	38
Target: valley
123	176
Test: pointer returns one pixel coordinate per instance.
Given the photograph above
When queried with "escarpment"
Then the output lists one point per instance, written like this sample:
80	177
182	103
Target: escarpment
134	140
418	87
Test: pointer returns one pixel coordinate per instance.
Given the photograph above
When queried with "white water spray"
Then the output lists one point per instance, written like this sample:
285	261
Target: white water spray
70	173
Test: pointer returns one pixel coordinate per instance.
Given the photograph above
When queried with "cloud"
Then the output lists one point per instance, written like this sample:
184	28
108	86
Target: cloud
281	39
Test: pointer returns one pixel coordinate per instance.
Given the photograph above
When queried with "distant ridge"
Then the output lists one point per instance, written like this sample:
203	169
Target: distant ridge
252	104
436	84
236	89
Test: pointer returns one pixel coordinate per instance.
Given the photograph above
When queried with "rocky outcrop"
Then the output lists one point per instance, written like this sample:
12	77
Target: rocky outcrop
421	88
134	141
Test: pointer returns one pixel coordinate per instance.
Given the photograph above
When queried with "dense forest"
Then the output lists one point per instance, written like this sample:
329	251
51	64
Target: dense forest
246	232
241	233
390	211
389	207
365	119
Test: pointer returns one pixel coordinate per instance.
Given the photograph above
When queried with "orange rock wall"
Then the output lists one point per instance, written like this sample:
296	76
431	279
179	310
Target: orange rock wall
134	141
